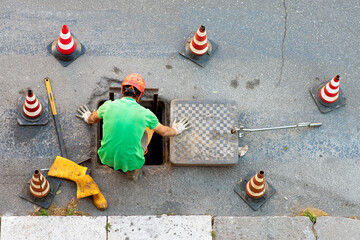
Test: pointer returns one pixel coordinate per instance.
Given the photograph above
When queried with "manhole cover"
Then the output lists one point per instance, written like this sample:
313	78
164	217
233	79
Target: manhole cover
209	142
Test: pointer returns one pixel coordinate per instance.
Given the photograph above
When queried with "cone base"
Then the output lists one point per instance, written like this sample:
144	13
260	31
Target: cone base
64	59
23	120
254	203
200	60
323	106
43	202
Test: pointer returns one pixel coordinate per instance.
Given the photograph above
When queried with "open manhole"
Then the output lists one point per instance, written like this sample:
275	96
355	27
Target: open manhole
158	147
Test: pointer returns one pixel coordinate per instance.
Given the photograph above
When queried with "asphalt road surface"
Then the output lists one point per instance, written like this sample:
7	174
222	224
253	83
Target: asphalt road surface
270	53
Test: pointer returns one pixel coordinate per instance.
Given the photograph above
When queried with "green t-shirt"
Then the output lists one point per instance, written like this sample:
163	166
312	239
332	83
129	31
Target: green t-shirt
124	123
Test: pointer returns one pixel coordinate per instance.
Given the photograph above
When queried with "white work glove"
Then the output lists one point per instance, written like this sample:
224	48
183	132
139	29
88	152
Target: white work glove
85	113
180	126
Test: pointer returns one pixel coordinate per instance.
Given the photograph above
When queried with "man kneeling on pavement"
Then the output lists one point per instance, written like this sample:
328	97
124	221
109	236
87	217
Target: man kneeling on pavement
128	128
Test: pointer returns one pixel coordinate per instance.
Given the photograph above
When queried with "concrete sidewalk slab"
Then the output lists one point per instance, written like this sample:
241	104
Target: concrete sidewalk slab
56	227
160	227
263	228
337	228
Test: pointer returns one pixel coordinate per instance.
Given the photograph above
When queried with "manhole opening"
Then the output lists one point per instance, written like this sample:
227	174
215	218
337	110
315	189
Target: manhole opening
156	154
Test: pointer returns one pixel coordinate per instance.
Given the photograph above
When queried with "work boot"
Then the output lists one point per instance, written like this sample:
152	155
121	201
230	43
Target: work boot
100	201
67	169
86	187
134	175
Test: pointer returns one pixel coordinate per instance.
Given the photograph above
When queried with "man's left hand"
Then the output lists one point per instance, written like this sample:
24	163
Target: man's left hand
182	125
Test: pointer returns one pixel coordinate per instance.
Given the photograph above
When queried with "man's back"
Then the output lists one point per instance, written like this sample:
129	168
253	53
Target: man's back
124	123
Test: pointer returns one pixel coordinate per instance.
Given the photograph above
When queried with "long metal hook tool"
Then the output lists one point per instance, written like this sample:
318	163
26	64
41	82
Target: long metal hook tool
242	130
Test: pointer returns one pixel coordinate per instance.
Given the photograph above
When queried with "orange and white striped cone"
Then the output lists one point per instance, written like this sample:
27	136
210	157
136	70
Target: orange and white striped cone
32	110
65	43
328	95
199	43
32	107
40	190
66	48
255	188
39	186
198	48
330	92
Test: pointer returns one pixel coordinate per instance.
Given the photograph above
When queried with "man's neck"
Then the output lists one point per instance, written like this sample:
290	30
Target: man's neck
135	98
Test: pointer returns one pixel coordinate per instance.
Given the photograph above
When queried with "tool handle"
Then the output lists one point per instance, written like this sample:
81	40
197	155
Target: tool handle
60	138
51	96
57	124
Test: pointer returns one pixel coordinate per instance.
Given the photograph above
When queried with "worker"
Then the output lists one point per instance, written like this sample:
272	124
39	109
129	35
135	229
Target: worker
128	128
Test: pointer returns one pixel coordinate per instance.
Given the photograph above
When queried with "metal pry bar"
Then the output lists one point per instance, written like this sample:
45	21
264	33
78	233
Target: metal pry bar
56	118
242	130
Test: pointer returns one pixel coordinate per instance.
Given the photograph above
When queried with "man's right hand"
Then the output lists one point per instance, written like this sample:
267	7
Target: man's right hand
84	113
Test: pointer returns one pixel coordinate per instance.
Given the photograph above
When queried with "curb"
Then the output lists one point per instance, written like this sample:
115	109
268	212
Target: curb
166	227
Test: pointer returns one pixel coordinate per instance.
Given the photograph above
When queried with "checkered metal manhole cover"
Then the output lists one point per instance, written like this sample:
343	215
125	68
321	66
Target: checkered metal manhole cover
209	142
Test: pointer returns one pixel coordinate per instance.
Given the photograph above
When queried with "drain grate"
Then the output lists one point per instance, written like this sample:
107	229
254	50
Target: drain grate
209	142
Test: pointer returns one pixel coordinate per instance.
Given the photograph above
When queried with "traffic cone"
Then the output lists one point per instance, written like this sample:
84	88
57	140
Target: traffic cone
65	43
39	186
31	110
42	190
199	43
66	48
32	107
198	48
328	96
255	188
330	92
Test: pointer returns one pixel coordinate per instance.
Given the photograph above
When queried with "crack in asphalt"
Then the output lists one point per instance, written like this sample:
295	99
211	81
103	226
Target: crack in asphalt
283	43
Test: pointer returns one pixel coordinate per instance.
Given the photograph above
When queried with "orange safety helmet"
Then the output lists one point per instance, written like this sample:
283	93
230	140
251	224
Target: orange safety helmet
135	80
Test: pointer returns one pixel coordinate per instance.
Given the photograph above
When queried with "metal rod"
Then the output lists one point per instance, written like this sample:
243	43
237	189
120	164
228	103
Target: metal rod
241	130
57	123
307	124
59	134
